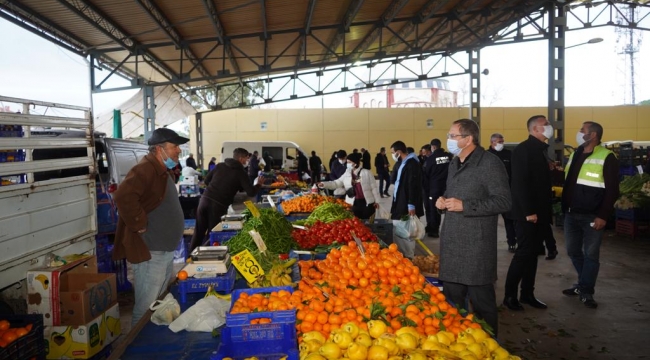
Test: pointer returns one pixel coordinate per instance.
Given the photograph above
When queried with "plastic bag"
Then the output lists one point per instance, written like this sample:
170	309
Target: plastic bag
231	211
415	228
306	177
165	310
405	244
206	315
381	213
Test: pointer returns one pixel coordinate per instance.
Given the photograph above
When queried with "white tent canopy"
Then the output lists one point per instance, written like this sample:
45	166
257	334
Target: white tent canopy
170	107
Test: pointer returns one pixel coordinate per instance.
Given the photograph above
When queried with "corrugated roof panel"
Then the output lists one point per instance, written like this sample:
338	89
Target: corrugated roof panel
286	14
132	19
372	10
328	12
239	17
190	18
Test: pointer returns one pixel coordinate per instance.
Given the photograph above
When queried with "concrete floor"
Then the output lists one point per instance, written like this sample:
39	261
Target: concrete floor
618	329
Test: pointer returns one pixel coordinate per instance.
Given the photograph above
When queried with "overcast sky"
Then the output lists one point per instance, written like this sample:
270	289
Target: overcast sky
33	68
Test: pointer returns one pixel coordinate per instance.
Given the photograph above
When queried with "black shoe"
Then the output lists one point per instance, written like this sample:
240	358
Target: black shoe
386	193
382	196
588	300
571	292
532	301
512	303
512	248
551	255
433	235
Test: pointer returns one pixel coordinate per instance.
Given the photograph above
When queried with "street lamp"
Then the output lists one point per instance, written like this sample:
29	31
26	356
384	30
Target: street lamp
591	41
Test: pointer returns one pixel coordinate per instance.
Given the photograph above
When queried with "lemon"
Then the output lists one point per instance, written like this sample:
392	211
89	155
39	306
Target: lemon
406	341
363	339
377	352
330	351
357	351
376	328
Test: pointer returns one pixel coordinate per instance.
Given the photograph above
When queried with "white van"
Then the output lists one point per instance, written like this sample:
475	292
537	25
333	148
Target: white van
284	153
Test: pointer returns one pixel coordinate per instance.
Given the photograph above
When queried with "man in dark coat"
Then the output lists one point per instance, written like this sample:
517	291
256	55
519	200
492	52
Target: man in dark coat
437	182
303	165
223	183
383	166
407	194
531	211
340	166
268	160
315	164
191	162
254	166
365	159
477	192
505	155
429	208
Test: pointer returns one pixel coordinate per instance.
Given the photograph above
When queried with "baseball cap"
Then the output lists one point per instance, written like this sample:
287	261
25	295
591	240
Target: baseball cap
163	135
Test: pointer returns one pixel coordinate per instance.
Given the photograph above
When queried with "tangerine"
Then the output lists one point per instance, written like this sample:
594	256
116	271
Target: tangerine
182	275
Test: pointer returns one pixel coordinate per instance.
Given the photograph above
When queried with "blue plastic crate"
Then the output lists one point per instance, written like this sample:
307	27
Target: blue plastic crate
221	237
243	320
190	223
296	216
222	283
295	268
633	214
30	346
261	349
119	267
434	281
383	229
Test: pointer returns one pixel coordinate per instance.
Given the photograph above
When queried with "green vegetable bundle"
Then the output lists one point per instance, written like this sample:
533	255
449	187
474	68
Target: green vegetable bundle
327	213
634	192
274	229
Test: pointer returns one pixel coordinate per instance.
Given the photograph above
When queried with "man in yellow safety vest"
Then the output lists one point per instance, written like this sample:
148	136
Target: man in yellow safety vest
590	190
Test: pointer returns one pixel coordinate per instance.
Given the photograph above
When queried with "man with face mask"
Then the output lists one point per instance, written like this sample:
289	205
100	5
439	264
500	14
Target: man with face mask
590	190
223	183
497	148
150	223
531	211
477	192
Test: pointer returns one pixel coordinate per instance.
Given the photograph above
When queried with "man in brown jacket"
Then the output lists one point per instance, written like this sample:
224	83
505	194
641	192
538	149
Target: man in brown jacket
150	223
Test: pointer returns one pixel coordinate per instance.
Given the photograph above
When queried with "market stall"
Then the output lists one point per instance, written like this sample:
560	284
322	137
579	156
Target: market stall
322	287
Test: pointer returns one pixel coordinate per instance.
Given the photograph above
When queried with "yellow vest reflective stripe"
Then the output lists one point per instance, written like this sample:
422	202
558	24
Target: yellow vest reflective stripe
591	172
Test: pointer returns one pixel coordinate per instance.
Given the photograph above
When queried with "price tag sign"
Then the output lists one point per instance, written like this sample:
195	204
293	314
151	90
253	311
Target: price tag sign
359	244
270	199
252	208
247	266
258	240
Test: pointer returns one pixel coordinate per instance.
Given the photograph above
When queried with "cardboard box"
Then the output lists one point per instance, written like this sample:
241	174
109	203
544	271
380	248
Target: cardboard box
43	287
84	341
83	297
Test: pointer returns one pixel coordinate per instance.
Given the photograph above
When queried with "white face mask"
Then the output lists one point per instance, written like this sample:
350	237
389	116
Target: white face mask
580	138
342	162
498	147
548	131
350	166
452	146
395	156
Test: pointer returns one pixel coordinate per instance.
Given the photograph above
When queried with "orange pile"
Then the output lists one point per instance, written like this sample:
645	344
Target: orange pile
307	203
383	285
9	334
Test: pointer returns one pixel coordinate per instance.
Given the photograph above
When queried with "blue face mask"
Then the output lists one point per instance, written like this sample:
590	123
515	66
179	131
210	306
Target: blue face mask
452	146
169	163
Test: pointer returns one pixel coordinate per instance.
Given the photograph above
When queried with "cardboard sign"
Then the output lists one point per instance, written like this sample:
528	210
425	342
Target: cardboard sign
247	266
258	240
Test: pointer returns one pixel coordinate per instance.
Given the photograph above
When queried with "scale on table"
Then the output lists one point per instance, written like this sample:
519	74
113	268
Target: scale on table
230	222
208	261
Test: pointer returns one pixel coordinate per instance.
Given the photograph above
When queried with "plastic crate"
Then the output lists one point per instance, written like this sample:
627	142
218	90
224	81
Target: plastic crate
30	346
190	223
221	237
119	267
633	214
627	170
296	216
222	283
260	349
631	228
181	252
243	320
295	268
434	281
383	229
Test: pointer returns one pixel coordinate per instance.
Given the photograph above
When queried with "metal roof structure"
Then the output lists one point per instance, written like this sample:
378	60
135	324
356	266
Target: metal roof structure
232	43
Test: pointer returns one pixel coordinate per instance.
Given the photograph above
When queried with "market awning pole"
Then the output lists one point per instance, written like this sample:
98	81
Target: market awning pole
117	124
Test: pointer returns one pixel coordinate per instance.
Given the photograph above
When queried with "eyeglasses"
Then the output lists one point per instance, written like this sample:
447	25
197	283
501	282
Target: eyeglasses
452	136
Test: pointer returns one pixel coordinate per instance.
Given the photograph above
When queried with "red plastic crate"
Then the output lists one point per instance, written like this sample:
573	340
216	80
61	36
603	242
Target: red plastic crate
631	228
29	346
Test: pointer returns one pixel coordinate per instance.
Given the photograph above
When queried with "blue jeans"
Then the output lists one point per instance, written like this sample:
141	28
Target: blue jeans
151	280
583	247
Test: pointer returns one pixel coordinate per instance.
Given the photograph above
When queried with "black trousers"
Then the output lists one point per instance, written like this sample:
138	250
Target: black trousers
481	297
383	177
208	215
315	177
549	239
511	235
523	267
429	209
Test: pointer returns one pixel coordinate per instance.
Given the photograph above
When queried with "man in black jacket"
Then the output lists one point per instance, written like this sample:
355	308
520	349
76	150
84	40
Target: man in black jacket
340	166
383	166
315	164
303	165
437	182
497	148
365	158
429	207
223	183
253	166
191	162
407	194
531	211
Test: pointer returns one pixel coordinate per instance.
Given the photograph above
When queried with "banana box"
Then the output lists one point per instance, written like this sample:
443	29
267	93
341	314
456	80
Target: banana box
43	286
83	341
85	296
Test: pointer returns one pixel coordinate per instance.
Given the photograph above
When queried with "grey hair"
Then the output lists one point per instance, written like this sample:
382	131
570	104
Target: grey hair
495	136
152	148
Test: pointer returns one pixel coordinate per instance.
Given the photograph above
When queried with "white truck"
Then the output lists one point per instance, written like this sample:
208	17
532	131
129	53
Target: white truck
48	202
